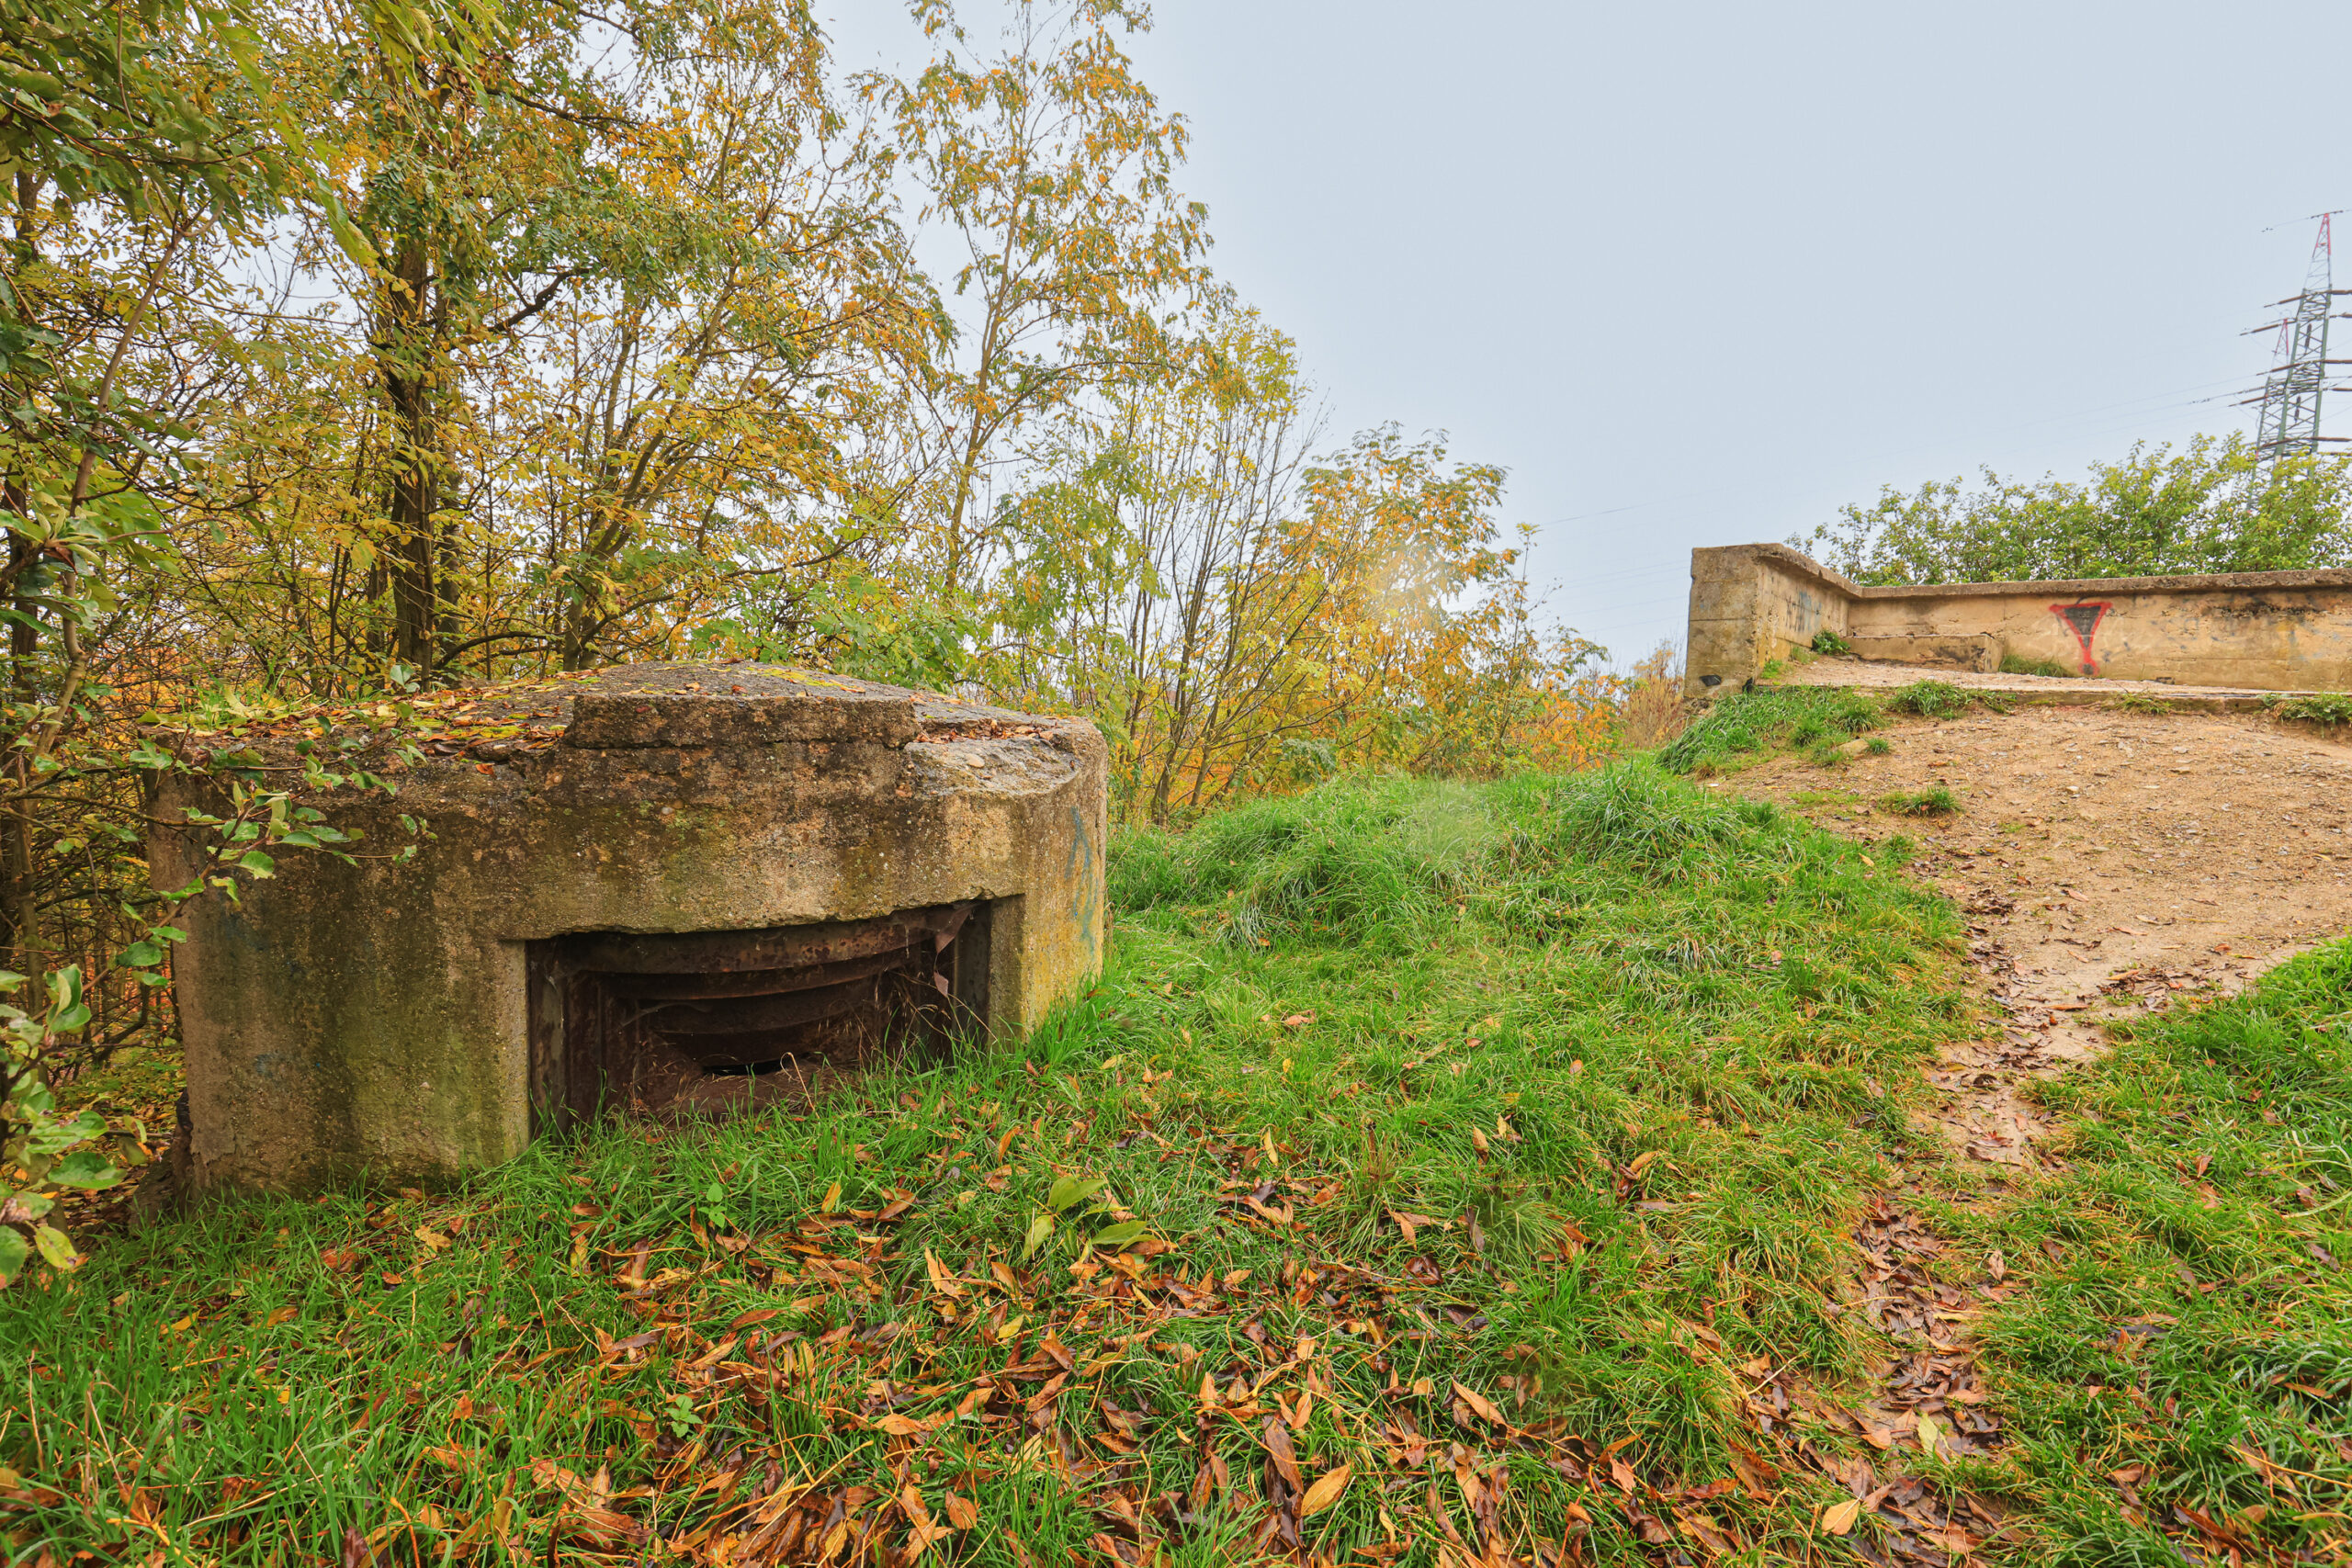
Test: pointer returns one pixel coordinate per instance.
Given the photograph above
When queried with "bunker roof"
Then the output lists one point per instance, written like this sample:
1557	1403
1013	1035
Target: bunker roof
737	703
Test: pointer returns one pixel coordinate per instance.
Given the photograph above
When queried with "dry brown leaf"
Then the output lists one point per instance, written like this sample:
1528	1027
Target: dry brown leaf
1479	1404
900	1426
962	1512
1838	1518
1325	1492
1278	1445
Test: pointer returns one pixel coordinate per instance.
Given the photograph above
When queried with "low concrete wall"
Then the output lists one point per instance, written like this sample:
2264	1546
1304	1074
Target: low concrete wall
2263	630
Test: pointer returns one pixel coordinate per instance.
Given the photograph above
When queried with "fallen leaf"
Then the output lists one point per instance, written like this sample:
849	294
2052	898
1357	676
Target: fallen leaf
1278	1445
962	1512
1325	1492
1479	1404
1838	1518
907	1427
941	1280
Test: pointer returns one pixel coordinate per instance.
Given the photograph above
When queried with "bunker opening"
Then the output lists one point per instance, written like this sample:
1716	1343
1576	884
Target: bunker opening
671	1024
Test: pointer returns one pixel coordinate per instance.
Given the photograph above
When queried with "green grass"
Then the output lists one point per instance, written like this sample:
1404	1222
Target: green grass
1627	1058
1744	729
2017	664
2185	1323
1932	699
1934	801
2326	708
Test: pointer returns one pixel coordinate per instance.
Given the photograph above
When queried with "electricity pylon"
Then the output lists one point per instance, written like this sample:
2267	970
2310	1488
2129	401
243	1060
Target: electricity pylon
2299	365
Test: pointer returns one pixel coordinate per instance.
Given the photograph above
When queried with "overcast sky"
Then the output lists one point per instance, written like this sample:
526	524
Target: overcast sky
1700	274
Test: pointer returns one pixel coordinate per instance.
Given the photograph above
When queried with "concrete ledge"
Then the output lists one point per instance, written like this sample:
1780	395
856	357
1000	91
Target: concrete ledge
1981	653
2044	691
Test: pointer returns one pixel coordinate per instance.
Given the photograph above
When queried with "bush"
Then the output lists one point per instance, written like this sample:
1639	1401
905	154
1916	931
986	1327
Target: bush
2212	506
2015	664
1830	642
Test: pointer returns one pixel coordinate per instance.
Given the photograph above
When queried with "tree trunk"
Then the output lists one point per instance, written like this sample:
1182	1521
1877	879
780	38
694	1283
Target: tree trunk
20	903
411	354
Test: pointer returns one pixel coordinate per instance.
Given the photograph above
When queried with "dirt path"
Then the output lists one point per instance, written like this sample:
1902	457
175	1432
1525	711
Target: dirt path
2110	862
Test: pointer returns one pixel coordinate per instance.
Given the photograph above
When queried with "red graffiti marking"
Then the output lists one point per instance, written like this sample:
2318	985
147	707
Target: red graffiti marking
2082	620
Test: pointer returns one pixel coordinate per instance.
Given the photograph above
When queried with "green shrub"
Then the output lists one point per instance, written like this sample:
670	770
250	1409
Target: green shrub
2016	664
1827	641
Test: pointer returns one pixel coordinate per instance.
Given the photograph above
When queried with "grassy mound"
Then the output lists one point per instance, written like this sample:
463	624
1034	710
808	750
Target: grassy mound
2179	1359
1746	726
1434	1166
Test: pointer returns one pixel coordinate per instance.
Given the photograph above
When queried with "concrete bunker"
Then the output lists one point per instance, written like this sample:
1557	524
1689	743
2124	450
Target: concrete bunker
667	888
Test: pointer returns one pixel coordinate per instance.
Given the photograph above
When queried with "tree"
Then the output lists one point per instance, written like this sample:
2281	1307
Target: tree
132	135
1236	616
1052	167
2208	508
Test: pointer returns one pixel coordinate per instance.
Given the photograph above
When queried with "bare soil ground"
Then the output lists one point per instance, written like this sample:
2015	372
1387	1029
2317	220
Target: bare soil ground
2110	861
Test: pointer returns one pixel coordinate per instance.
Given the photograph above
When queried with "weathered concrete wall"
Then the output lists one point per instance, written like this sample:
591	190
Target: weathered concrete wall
2264	630
343	1019
1752	604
